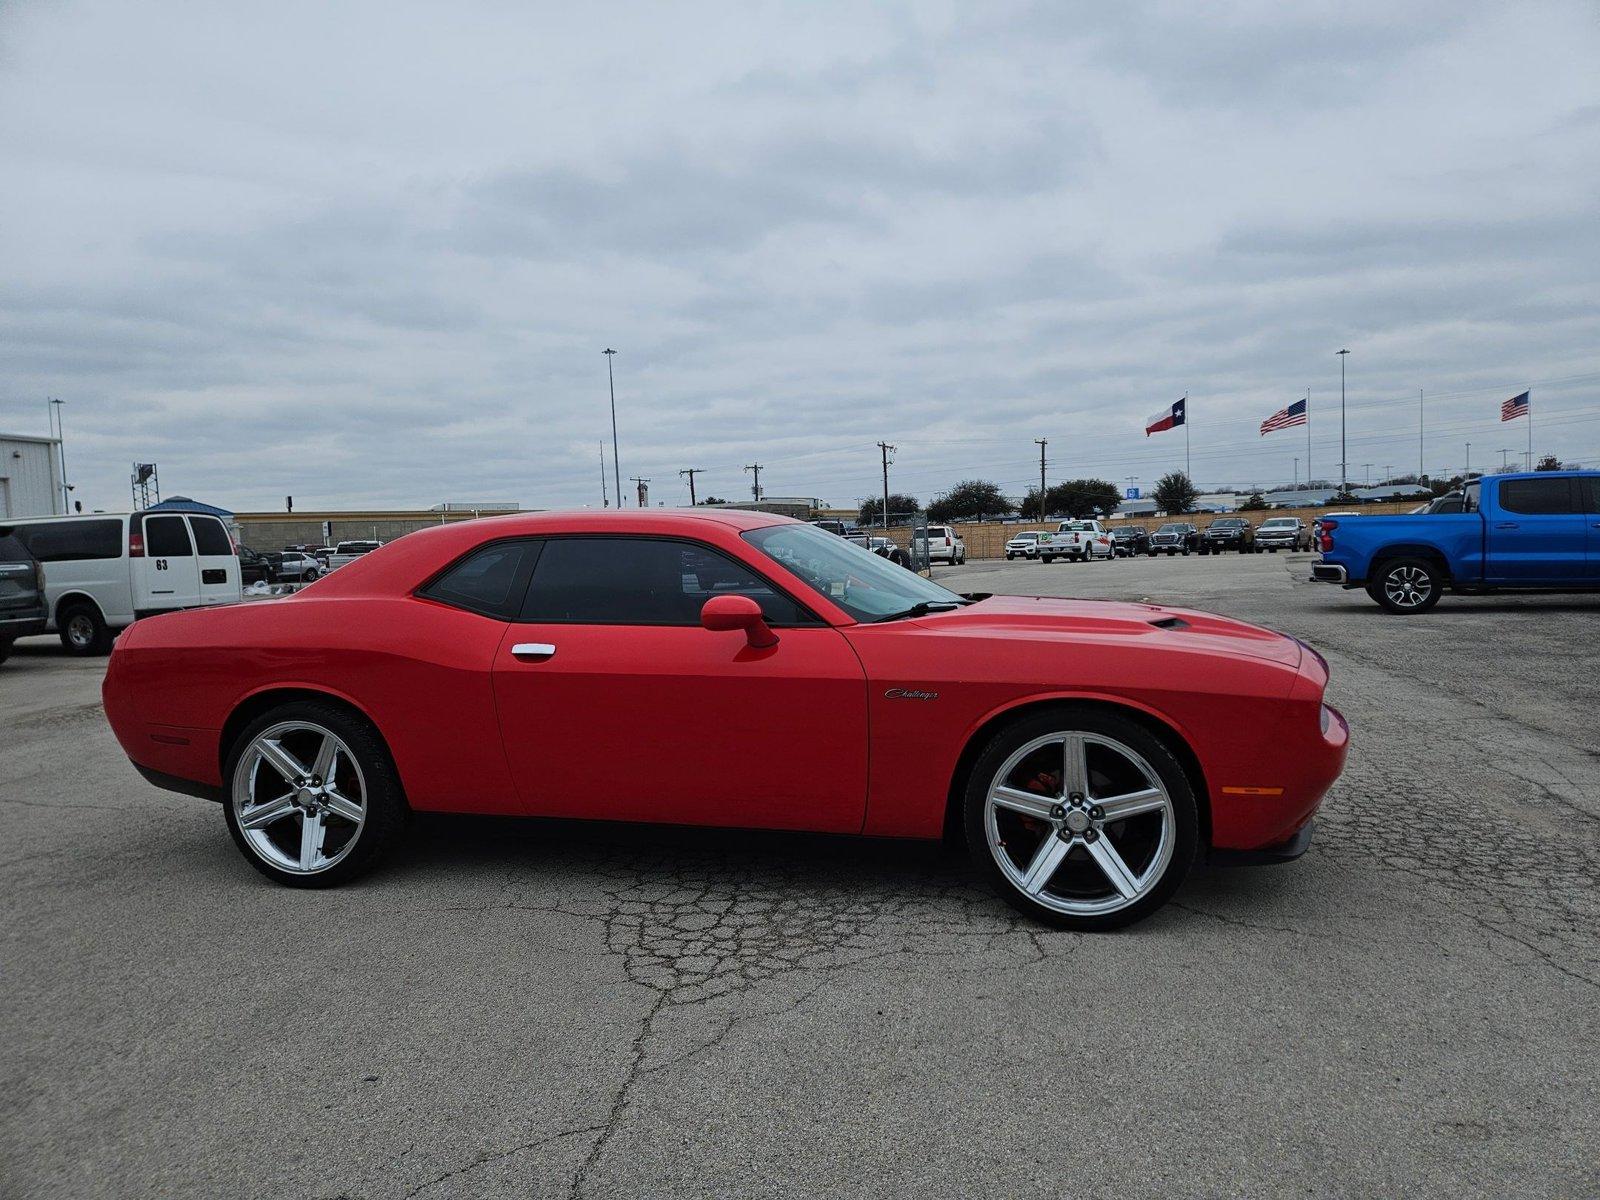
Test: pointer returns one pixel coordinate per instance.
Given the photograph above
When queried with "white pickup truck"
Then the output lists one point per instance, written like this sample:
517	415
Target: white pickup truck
348	552
1079	541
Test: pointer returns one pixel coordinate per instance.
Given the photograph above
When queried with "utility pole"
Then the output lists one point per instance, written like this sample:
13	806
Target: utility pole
1344	468
1041	443
755	470
1467	470
886	449
616	462
690	473
1297	470
644	489
1503	453
1368	467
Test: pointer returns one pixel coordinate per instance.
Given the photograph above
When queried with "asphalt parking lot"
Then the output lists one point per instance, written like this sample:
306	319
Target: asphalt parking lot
532	1009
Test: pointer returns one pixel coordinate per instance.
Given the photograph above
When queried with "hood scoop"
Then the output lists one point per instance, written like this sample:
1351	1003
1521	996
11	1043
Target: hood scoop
1170	623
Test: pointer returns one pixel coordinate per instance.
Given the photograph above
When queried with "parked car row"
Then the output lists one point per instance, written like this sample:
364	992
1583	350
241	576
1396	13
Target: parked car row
1082	541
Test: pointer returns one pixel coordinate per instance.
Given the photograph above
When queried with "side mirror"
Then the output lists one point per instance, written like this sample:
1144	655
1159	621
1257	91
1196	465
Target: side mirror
723	613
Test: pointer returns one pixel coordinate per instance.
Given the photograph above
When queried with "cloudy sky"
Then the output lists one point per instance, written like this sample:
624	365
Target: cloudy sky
370	254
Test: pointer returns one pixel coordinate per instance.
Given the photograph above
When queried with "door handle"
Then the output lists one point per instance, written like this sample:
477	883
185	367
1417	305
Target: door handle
1508	525
532	650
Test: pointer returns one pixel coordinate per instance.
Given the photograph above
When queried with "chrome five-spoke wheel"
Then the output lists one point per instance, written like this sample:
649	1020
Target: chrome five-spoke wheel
299	797
1090	822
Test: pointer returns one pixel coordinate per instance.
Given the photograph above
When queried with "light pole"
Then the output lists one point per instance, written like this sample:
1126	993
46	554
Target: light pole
616	463
1467	470
61	448
887	450
1344	470
1296	470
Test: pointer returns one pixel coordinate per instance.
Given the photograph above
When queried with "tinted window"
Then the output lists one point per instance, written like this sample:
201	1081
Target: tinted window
643	581
489	580
63	541
1593	486
166	537
12	549
1537	496
210	536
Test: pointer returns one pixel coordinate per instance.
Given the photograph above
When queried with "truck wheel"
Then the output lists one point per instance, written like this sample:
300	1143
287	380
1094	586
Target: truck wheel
84	631
1407	585
1186	552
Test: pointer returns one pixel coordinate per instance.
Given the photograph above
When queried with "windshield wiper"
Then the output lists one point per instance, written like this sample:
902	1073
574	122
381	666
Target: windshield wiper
922	608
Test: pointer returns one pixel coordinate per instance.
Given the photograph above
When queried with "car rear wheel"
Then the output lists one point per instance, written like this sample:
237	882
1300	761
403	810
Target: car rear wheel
1081	818
83	630
313	797
1407	585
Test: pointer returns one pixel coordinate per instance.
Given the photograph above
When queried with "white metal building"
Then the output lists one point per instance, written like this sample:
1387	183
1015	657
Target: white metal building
30	476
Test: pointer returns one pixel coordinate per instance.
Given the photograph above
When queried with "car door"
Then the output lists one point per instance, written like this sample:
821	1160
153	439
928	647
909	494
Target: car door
218	566
1589	489
614	702
168	576
1538	533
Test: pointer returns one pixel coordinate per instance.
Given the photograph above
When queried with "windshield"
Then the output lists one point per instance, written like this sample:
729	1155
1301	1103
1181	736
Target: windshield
1171	529
860	582
1281	521
1227	523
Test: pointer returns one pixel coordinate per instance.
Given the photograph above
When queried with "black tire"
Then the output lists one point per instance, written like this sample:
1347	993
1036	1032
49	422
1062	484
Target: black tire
387	813
1186	552
1405	586
83	631
1132	734
5	648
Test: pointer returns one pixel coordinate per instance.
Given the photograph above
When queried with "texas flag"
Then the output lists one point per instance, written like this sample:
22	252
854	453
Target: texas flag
1167	418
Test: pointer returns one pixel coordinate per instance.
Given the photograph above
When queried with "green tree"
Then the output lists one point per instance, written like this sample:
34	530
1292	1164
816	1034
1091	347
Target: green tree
1175	494
1549	463
971	499
901	507
1256	501
1080	498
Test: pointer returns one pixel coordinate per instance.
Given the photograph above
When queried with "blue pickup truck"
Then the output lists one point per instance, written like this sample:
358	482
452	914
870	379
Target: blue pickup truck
1538	532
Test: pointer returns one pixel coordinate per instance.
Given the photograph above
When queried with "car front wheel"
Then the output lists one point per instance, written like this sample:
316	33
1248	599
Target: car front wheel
313	797
1081	818
1407	585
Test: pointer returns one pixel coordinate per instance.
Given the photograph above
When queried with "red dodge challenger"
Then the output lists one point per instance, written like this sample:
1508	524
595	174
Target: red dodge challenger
731	668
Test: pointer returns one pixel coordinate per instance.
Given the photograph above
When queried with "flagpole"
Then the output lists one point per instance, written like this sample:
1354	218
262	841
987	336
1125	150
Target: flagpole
1530	429
1186	469
1309	476
1421	454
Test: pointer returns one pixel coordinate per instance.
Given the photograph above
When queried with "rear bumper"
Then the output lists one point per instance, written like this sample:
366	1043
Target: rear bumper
1328	573
15	627
175	783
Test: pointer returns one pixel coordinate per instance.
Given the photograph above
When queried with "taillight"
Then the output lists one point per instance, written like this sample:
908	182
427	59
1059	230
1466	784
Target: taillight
1325	539
135	541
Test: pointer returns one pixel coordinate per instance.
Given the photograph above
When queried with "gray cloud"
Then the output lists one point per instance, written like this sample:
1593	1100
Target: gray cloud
370	257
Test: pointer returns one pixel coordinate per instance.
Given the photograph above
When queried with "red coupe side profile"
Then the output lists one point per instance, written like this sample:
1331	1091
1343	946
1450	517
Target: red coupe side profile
731	668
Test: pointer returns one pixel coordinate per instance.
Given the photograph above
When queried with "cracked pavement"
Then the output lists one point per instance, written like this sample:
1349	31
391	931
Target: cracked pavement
557	1009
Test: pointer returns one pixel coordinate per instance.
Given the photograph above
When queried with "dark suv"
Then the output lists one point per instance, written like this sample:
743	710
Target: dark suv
1175	537
1128	540
22	606
1229	533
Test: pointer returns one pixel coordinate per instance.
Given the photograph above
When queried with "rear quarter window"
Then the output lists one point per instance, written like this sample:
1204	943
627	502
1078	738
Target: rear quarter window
69	541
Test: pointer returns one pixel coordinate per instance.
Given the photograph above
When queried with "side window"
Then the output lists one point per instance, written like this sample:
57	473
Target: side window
1534	496
210	536
166	537
642	581
1592	485
1469	497
65	541
488	581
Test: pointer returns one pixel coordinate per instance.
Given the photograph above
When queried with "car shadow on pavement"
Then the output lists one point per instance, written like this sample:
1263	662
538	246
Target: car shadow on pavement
628	862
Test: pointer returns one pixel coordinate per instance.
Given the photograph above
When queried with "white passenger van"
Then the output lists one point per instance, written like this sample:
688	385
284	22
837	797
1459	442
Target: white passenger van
102	571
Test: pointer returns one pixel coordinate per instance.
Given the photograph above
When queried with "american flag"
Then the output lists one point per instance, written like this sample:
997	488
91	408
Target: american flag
1515	407
1295	414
